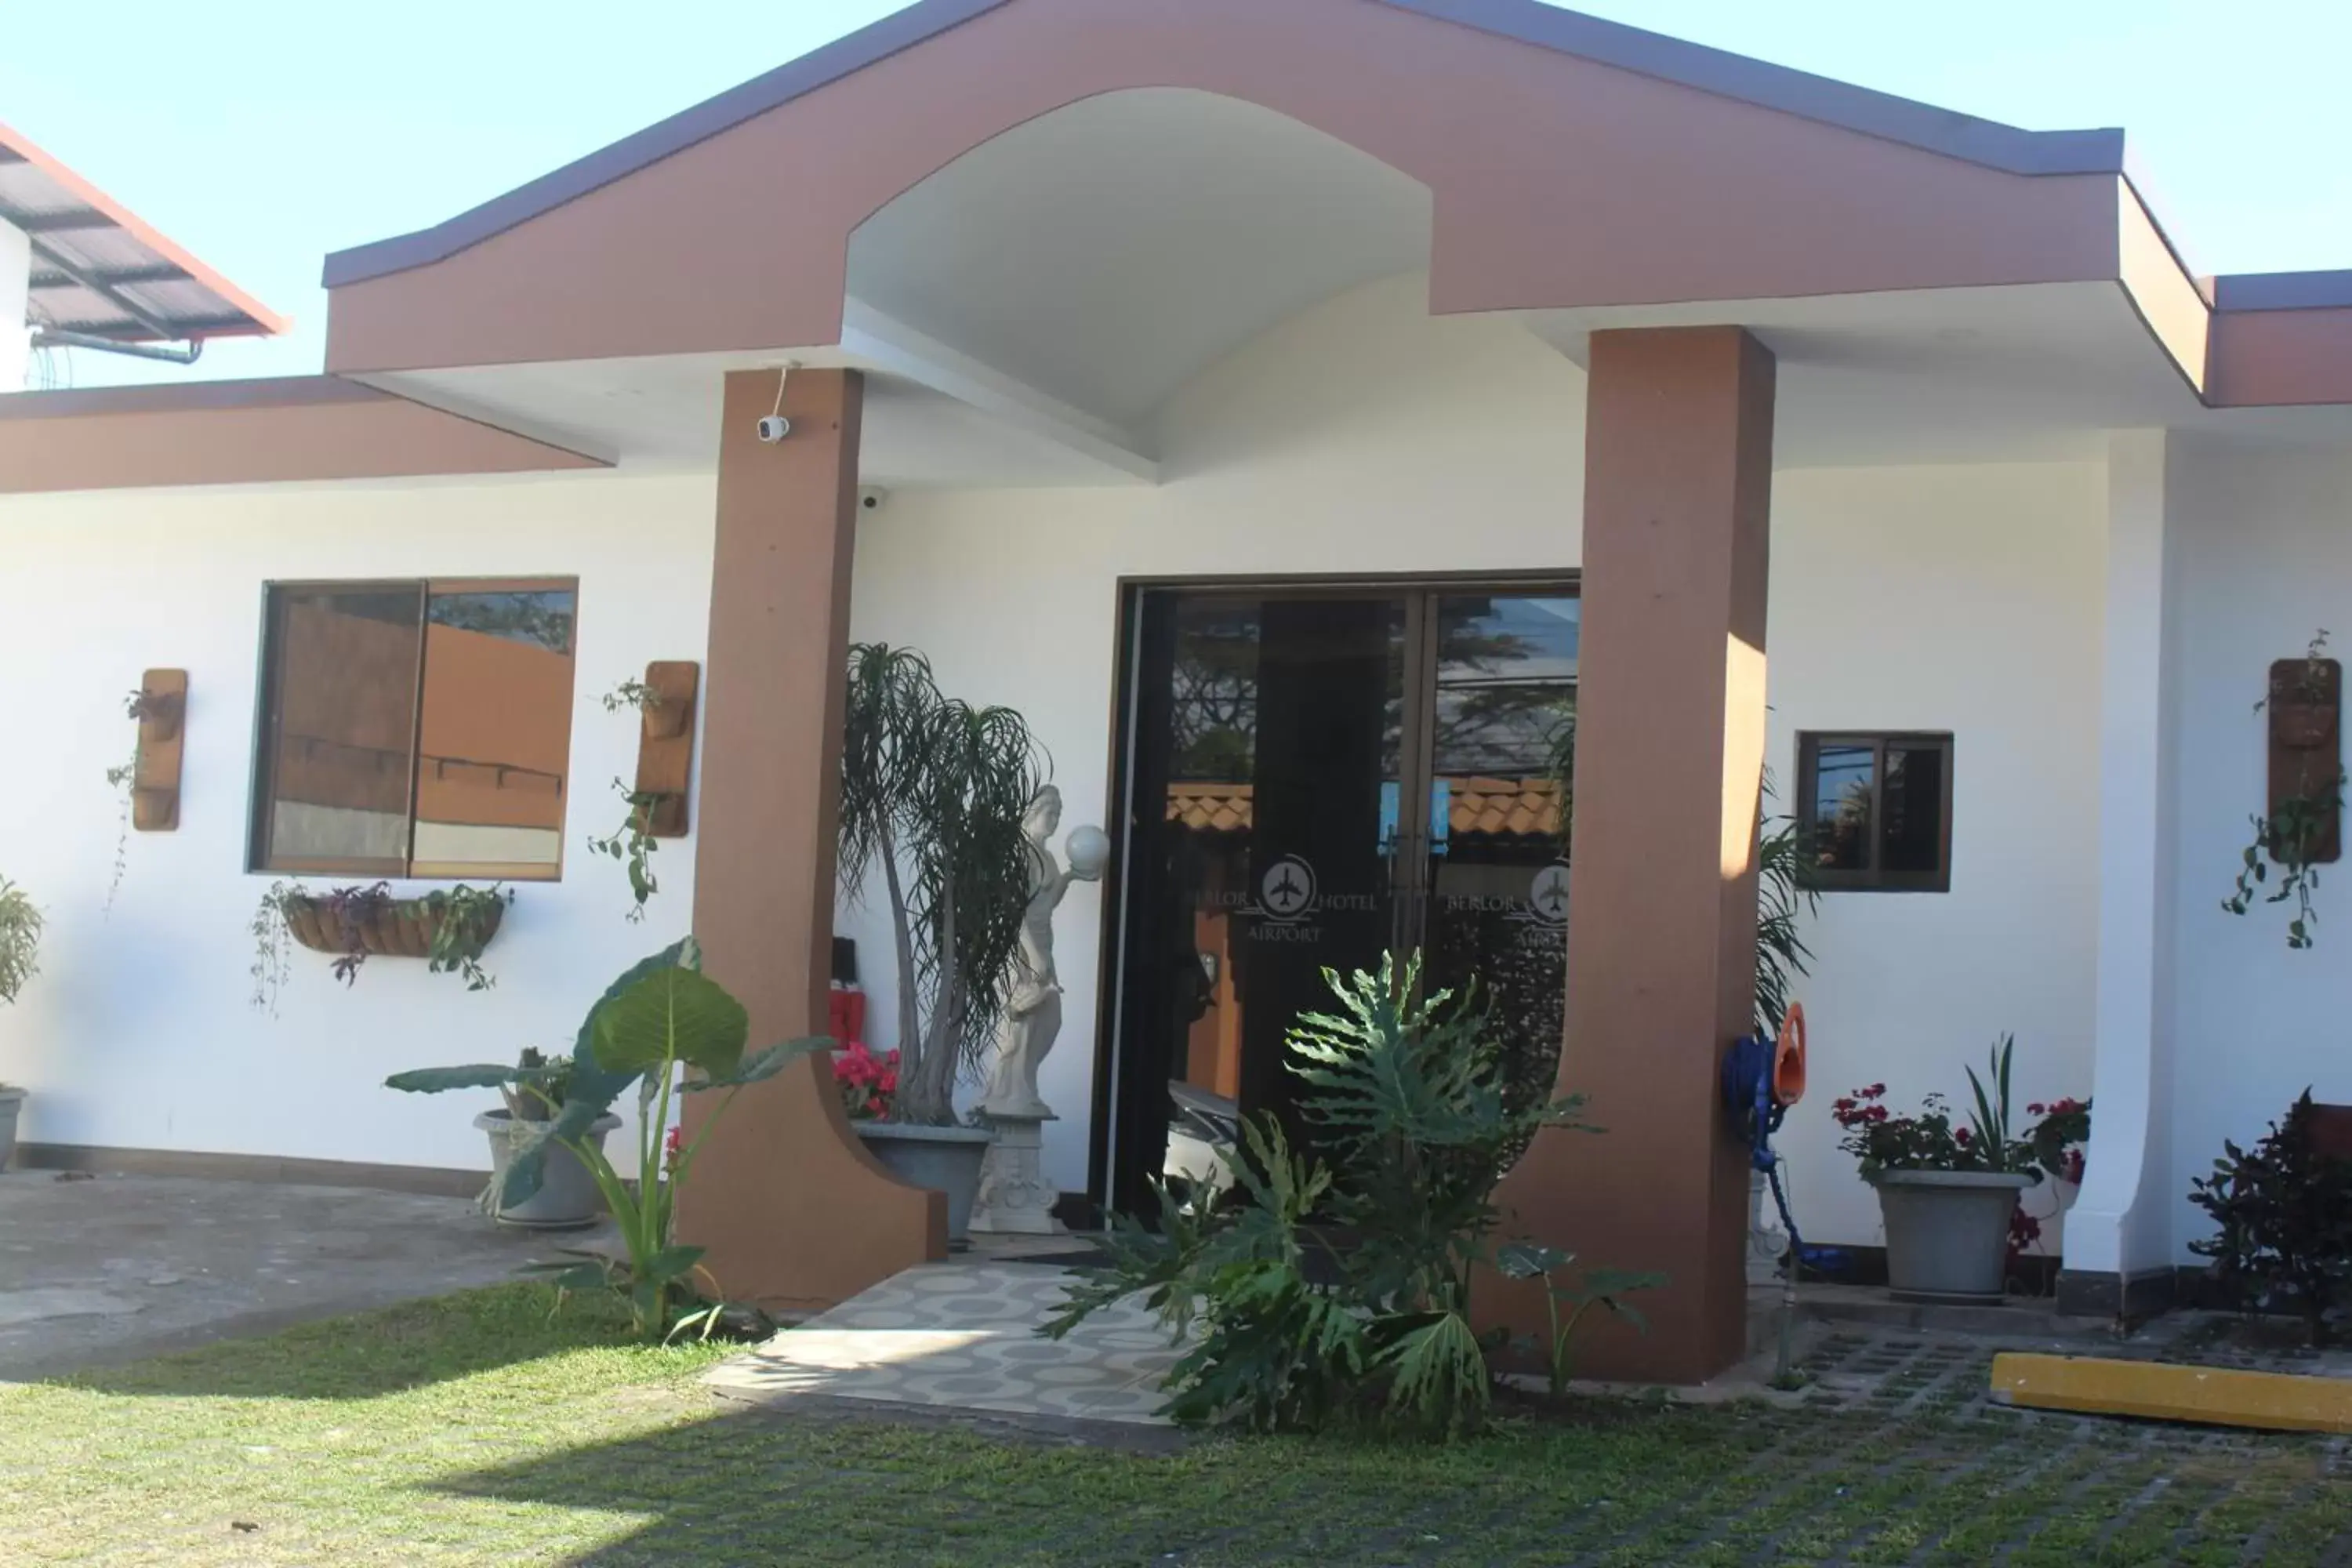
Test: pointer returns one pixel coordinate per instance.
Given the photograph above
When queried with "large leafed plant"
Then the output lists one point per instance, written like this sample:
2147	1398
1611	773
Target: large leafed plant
1337	1286
932	792
663	1028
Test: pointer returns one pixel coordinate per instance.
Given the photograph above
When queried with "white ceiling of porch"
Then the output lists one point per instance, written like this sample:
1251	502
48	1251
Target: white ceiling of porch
1108	252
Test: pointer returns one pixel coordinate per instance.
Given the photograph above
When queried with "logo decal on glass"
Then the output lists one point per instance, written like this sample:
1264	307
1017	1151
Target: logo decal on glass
1286	891
1547	895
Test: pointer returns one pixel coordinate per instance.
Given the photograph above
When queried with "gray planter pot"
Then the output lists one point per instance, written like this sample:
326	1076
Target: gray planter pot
1947	1233
945	1159
10	1098
567	1198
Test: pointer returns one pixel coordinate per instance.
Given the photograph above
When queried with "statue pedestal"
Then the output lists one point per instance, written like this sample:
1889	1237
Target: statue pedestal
1016	1199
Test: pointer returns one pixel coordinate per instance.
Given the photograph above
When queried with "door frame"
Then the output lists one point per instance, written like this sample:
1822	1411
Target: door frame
1412	828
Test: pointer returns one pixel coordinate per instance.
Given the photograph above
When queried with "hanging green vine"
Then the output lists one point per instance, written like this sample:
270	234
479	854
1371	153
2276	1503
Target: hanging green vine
2295	828
633	843
138	706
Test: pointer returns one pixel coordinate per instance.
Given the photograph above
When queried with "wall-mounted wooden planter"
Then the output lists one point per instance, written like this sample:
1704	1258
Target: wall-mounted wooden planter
155	781
2307	748
666	744
400	928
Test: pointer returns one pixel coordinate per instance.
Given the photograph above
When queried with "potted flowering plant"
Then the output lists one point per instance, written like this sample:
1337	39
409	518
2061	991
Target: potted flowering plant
868	1084
1949	1192
2058	1138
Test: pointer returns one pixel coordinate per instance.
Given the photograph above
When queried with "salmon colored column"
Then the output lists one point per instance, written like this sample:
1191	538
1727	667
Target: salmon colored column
795	1214
1662	879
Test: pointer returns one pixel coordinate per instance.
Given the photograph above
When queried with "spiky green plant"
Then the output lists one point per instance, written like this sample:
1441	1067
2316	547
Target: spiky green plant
20	939
932	793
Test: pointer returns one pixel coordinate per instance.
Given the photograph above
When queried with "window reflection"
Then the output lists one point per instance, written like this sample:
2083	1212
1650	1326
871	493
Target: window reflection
1911	839
497	731
1502	745
1843	779
345	700
1876	809
416	729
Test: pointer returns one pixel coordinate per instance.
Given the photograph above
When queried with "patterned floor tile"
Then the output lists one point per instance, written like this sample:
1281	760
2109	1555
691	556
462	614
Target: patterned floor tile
964	1335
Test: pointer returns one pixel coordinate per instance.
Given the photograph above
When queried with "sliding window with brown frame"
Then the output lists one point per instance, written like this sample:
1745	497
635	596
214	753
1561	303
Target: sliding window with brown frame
416	729
1875	809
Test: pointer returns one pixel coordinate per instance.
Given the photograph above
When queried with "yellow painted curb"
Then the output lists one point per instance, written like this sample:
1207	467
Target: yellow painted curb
2274	1402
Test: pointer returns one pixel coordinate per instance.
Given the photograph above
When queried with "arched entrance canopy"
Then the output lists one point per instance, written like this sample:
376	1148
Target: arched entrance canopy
1573	163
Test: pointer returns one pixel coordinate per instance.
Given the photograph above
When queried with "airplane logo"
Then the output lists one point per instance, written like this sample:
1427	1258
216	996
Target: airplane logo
1286	891
1547	895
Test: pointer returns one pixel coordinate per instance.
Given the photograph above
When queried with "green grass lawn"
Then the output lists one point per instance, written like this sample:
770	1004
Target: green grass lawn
474	1429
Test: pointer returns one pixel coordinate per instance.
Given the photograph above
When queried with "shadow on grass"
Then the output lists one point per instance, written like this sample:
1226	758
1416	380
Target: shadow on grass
821	1481
366	1354
814	1480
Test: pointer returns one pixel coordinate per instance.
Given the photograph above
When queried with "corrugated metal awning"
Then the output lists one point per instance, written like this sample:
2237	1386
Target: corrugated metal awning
99	270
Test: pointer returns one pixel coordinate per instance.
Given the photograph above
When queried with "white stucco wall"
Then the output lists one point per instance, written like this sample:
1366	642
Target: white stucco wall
138	1032
1363	437
2265	560
1965	599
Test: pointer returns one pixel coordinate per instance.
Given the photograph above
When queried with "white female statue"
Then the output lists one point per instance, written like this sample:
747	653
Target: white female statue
1032	1013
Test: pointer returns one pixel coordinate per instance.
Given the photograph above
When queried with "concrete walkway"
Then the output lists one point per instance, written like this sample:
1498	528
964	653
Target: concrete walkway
105	1269
962	1335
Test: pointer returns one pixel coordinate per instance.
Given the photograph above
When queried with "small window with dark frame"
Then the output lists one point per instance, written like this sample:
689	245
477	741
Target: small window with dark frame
415	729
1875	808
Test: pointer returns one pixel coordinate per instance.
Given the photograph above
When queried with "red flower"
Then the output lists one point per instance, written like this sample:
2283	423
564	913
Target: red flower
1875	1113
1874	1090
670	1148
2037	1108
1960	1136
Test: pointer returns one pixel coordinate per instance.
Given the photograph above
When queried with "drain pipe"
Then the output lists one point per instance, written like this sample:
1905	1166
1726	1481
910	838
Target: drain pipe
170	353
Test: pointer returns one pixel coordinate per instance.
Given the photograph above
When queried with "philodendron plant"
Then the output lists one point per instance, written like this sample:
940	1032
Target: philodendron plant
663	1028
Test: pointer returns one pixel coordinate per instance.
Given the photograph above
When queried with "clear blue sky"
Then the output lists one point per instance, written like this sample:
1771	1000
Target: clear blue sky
263	133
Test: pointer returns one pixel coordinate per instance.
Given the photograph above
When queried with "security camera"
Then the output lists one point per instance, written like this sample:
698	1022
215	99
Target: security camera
774	428
872	497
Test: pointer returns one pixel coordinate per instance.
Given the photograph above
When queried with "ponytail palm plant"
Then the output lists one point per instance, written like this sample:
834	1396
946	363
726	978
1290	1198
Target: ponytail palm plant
932	792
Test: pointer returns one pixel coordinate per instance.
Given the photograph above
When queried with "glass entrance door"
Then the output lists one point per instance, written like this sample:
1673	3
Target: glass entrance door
1489	883
1314	777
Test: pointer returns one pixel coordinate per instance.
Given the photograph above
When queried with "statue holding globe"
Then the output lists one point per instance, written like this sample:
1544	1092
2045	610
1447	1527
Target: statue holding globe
1033	1013
1015	1195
